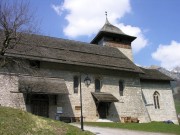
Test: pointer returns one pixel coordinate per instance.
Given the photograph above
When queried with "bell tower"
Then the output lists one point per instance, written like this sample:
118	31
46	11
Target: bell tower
112	36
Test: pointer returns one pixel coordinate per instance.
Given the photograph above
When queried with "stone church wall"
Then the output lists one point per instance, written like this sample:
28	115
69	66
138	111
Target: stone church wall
127	52
125	107
167	109
124	48
131	104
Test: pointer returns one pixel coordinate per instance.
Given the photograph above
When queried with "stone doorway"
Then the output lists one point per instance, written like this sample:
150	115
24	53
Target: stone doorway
102	110
40	105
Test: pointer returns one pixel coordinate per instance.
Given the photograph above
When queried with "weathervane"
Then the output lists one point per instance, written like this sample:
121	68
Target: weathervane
106	13
107	22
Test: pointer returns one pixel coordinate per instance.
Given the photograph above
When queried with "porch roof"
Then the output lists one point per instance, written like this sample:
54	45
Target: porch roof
43	85
104	97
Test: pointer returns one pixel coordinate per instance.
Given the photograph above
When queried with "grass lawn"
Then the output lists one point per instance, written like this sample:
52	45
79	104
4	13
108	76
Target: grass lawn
17	122
149	127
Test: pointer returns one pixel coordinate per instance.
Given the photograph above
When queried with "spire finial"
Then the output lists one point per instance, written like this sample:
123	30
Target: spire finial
107	22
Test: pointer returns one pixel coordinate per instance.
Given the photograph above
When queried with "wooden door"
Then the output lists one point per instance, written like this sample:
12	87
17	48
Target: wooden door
102	110
40	105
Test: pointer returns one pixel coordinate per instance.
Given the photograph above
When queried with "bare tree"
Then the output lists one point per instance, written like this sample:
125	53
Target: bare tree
16	19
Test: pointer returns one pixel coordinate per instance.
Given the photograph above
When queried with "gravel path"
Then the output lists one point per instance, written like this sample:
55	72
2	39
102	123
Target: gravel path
113	131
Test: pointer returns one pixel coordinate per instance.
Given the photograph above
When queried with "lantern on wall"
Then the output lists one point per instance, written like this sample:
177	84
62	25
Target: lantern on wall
87	81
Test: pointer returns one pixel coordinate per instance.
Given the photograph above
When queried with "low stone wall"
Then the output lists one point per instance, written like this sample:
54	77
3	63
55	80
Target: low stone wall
10	95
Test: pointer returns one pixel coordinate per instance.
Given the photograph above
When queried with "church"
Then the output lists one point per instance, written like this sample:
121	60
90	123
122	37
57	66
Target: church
98	78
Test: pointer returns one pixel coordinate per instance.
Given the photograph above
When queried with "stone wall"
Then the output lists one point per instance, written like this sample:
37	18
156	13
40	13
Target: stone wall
125	107
131	104
127	52
124	48
10	95
167	109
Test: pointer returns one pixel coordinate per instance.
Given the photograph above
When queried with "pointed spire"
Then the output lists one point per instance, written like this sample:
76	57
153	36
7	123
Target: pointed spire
107	22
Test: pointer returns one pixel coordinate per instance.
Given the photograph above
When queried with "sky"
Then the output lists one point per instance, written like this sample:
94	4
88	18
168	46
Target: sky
155	23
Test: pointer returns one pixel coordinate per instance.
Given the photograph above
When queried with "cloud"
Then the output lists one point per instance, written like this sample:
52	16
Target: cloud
58	8
140	42
86	17
168	55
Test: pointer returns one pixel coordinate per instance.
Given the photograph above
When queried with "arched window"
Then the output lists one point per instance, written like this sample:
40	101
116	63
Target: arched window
156	100
121	87
97	85
76	84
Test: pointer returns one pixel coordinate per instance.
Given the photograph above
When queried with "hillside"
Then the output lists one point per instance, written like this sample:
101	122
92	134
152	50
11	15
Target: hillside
17	122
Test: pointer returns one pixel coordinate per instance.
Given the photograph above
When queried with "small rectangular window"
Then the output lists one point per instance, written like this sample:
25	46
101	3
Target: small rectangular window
97	85
121	88
76	84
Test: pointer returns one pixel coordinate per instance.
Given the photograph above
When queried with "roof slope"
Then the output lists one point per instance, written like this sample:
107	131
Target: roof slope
42	85
111	30
104	97
154	74
51	49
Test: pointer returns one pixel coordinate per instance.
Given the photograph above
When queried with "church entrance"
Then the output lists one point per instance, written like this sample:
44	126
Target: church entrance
103	101
40	105
102	110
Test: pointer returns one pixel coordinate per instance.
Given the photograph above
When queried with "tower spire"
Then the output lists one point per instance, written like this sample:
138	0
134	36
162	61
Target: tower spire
107	22
106	13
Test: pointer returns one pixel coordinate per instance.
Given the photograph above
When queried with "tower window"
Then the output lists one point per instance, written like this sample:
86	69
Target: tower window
97	85
156	100
121	88
76	84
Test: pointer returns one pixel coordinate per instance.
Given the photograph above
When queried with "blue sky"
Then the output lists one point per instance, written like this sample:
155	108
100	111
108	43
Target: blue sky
155	23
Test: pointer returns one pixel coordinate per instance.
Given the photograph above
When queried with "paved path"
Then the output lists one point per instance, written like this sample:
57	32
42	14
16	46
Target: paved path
113	131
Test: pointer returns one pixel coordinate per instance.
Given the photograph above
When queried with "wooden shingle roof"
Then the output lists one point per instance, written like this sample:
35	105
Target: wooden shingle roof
110	30
42	85
154	74
108	27
104	97
59	50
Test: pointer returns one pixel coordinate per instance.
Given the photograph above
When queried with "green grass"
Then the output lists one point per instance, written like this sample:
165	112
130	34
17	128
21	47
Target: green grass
149	127
17	122
177	105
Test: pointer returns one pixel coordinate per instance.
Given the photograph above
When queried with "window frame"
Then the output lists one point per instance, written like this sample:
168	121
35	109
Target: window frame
100	84
121	87
75	84
156	96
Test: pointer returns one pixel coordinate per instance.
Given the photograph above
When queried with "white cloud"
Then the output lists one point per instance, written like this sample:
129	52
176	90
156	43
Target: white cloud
168	55
57	8
140	42
86	17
